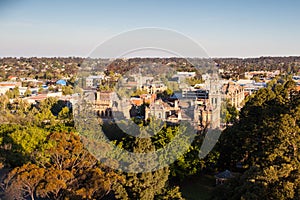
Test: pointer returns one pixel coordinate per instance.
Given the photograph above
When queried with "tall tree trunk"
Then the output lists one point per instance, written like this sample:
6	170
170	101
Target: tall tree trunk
32	196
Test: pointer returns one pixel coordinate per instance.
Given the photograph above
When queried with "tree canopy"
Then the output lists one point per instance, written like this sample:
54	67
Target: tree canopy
264	146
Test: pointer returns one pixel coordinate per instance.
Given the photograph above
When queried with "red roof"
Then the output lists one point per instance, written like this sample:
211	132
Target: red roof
38	97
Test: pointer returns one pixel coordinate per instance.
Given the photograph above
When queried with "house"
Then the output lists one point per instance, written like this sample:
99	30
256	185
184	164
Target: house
37	98
137	101
5	86
153	88
22	90
222	177
143	98
148	98
12	78
182	76
32	82
10	84
93	81
61	82
69	100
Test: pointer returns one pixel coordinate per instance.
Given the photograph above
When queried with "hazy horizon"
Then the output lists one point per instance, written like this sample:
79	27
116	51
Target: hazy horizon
235	29
18	57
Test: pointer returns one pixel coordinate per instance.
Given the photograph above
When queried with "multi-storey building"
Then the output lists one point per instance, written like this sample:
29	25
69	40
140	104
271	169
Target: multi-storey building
234	93
166	111
103	104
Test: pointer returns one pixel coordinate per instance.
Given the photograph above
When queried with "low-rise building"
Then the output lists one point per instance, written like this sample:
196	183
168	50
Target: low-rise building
93	81
182	76
192	93
38	98
5	86
153	88
143	99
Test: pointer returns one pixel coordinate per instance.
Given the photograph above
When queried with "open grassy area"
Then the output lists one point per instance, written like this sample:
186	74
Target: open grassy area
198	188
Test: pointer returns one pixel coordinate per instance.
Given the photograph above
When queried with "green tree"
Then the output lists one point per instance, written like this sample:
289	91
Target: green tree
193	81
9	94
14	93
10	153
265	143
256	79
231	114
44	117
41	89
170	193
51	88
142	185
72	80
27	92
67	90
4	100
64	114
29	138
139	92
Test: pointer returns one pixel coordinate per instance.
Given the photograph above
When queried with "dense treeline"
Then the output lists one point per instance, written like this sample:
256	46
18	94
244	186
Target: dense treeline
55	68
236	67
263	145
39	68
262	63
42	157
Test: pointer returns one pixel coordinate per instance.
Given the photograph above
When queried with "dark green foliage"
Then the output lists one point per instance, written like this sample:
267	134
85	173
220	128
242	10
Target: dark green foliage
265	143
143	185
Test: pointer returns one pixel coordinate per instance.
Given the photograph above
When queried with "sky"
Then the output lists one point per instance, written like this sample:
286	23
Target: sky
223	28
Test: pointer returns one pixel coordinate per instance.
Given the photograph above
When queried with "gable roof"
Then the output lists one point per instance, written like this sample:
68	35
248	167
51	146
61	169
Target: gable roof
225	174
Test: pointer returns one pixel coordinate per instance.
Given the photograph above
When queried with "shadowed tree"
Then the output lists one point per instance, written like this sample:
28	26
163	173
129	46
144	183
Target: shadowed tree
266	144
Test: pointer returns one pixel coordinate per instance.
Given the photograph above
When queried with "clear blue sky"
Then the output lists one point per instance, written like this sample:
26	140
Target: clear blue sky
226	28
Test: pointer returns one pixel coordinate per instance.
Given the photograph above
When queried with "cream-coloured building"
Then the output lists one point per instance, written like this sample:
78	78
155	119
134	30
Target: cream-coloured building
103	104
166	111
234	93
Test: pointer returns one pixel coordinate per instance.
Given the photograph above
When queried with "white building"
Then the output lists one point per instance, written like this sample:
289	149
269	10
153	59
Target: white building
92	81
5	86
